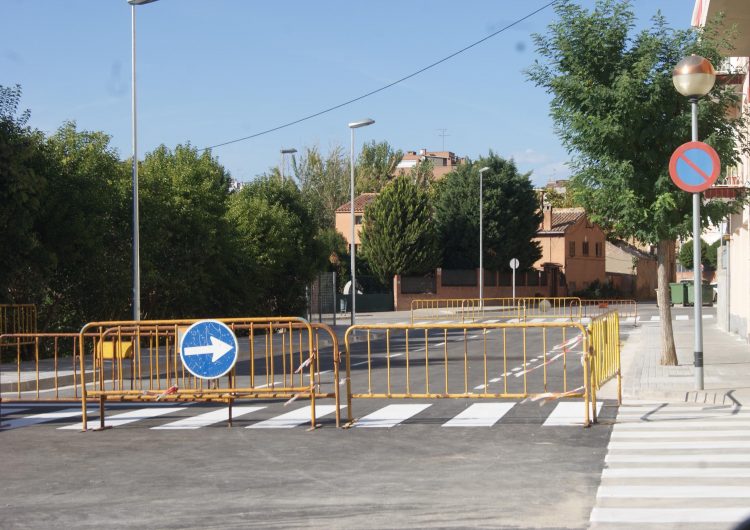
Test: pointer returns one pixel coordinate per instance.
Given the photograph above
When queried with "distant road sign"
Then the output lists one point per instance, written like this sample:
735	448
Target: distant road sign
209	349
694	166
514	264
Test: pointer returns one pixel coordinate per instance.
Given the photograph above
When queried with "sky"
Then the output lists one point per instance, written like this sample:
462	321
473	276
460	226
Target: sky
211	71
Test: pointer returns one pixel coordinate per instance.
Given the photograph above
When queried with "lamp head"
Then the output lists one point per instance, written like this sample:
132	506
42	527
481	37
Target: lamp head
361	123
139	2
289	151
483	170
694	76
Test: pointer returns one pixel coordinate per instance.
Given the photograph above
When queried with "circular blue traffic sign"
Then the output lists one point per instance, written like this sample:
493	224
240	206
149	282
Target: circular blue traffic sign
209	349
694	166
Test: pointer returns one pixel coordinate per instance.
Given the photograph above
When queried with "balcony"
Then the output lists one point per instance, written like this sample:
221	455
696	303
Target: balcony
726	188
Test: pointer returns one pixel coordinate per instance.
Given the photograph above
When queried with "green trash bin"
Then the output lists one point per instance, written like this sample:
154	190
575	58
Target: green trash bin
678	293
707	294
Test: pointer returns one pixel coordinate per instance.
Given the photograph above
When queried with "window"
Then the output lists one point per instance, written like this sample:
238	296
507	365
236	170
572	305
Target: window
585	248
598	249
357	219
572	249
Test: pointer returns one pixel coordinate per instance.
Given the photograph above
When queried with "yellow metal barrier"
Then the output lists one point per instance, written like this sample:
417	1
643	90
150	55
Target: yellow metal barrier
473	309
17	319
625	308
47	372
605	351
277	358
520	360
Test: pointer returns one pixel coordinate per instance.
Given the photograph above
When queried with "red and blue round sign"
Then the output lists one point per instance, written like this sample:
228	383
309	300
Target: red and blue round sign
694	166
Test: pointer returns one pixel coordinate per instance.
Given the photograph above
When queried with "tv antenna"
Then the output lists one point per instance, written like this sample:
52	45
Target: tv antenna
443	134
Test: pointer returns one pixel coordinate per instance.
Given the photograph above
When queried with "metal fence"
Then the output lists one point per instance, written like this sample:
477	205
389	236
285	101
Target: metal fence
324	301
17	318
474	309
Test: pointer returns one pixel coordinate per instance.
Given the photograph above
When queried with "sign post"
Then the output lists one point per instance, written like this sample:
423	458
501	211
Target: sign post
694	167
209	349
514	266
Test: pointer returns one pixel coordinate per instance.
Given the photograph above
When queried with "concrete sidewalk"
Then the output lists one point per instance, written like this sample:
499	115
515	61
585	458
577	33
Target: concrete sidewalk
726	370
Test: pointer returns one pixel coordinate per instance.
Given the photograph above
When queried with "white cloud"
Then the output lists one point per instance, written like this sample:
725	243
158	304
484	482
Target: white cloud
529	156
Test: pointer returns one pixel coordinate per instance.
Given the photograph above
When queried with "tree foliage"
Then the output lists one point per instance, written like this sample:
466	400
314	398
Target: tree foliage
708	254
278	245
510	215
376	166
324	181
398	235
616	110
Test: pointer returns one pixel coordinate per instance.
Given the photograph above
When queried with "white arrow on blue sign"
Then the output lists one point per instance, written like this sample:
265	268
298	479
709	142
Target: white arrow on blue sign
209	349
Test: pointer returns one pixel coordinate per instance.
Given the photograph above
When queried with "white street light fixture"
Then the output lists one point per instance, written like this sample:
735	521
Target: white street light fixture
481	240
694	77
134	129
353	289
289	151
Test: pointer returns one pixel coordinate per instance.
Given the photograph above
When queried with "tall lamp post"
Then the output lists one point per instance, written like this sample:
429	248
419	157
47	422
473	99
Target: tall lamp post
134	129
353	289
694	77
289	151
481	239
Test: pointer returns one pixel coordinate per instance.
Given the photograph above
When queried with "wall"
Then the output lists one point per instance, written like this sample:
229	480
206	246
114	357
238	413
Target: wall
344	226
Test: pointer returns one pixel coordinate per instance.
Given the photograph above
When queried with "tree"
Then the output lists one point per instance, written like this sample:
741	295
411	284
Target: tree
376	166
21	186
277	240
510	216
188	261
398	235
618	114
685	256
324	183
84	225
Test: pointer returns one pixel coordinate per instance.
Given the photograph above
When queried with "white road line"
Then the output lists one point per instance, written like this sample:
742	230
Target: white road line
423	323
682	317
708	317
661	409
41	418
536	320
699	491
127	417
440	344
568	414
390	415
651	445
480	415
493	321
690	434
672	459
443	322
293	418
669	515
517	368
655	319
513	321
562	319
675	472
681	425
209	418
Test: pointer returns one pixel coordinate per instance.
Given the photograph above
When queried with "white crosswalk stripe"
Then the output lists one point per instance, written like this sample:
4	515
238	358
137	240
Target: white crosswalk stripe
44	417
293	418
480	415
208	418
391	415
675	465
131	416
569	414
682	317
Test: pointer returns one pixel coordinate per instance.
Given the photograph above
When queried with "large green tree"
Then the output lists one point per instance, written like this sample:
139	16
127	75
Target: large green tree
510	215
376	166
22	183
277	239
324	181
188	261
617	112
398	235
84	226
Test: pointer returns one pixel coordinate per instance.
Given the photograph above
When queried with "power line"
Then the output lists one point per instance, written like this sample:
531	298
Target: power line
389	85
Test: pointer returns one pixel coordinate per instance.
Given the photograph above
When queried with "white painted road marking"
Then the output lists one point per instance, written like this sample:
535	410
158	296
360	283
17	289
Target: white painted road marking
128	417
701	491
208	418
41	418
390	415
568	414
669	515
676	472
682	317
480	415
702	458
293	418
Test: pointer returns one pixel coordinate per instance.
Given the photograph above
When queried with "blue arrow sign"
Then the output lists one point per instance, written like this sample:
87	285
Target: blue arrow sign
209	349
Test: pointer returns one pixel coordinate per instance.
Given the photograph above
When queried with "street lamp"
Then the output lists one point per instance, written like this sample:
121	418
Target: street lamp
136	238
289	151
694	77
353	289
481	240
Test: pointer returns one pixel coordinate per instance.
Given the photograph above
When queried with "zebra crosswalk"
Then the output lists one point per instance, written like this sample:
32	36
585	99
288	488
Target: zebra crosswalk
640	319
683	466
370	414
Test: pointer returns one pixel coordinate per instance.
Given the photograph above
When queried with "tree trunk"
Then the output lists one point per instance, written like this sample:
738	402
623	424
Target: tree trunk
668	352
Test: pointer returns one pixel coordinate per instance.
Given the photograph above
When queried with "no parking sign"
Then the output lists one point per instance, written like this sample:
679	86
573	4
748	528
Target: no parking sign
694	166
